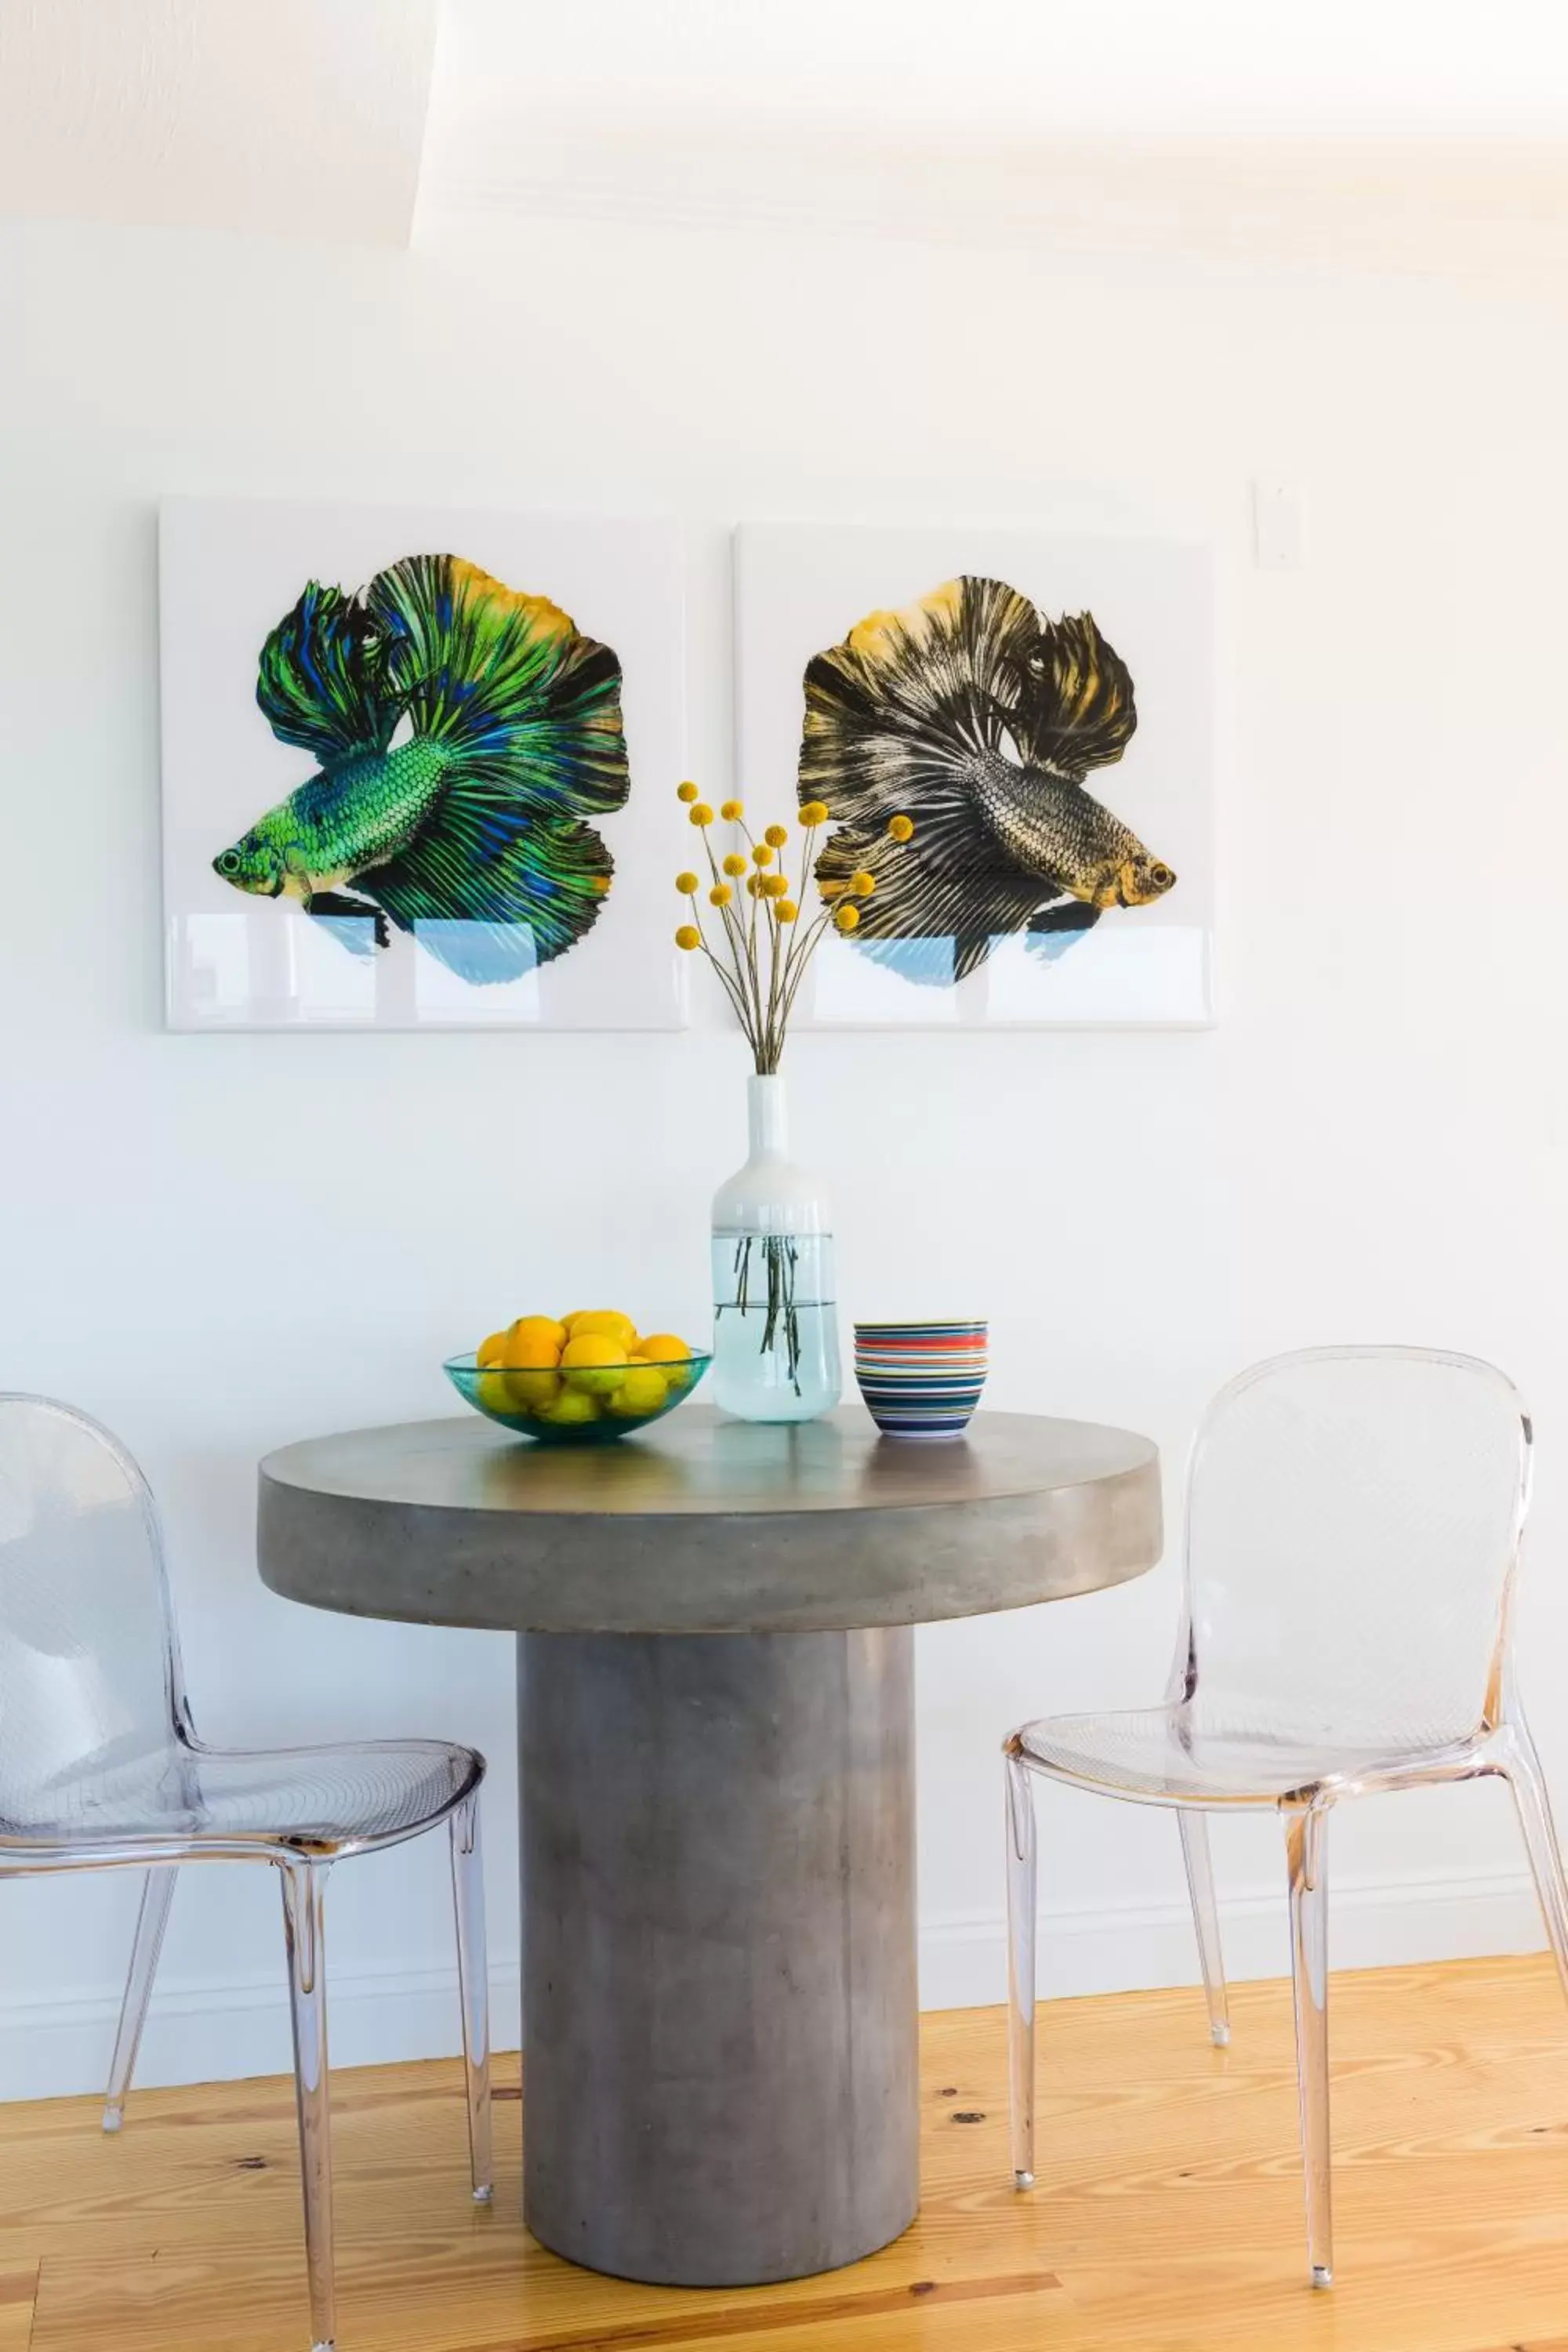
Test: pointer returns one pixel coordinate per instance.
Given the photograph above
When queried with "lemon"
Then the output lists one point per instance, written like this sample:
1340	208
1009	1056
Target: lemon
489	1352
606	1323
529	1352
492	1391
592	1363
643	1391
571	1405
540	1327
662	1347
533	1391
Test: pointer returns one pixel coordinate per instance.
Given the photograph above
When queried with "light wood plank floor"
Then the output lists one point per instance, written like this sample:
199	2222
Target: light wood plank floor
1167	2217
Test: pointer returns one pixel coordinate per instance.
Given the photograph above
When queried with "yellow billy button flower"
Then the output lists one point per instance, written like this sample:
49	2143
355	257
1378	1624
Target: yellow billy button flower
686	885
701	813
734	864
688	937
786	910
762	853
847	918
775	886
814	813
730	810
901	828
753	886
686	792
720	895
775	837
862	884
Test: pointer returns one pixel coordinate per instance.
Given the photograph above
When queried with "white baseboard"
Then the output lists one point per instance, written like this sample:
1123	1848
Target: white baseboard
226	2028
1126	1947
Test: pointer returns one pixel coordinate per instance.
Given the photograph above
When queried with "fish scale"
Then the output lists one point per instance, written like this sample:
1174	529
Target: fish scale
1049	824
356	815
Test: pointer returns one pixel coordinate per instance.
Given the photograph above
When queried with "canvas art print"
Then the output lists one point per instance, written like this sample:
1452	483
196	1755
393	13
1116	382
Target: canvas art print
1041	710
401	775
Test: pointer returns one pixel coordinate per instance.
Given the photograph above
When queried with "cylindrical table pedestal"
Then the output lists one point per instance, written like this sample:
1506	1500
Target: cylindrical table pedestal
719	1891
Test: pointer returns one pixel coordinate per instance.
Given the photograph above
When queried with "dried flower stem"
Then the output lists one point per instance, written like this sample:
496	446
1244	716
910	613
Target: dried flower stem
762	952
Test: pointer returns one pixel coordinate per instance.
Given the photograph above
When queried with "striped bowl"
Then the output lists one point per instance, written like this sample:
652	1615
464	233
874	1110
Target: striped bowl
920	1380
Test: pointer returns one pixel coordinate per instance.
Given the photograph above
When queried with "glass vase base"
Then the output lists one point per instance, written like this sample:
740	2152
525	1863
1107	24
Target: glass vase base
767	1374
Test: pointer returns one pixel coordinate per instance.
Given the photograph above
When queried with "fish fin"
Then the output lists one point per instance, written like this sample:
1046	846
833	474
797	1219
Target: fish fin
1082	714
527	704
947	886
492	891
320	679
902	708
1052	929
896	715
355	923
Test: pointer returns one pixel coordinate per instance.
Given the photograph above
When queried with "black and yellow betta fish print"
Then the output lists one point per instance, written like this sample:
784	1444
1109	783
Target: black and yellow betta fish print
465	735
980	718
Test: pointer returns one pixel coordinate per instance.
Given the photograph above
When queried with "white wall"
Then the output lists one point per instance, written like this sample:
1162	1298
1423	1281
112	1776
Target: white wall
222	1244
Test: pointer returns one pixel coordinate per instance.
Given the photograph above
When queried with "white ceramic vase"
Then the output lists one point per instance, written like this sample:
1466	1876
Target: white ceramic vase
775	1316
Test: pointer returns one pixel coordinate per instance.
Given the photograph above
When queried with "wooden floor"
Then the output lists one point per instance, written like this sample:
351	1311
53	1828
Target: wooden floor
1167	2217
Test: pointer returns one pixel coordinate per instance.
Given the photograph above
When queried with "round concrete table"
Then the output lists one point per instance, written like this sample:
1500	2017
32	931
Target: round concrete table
715	1684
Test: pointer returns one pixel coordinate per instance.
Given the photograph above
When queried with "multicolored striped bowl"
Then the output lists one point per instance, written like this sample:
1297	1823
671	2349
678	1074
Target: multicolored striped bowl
920	1380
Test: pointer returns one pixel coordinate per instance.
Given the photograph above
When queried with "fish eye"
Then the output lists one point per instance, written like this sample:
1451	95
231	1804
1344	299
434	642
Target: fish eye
229	863
1161	876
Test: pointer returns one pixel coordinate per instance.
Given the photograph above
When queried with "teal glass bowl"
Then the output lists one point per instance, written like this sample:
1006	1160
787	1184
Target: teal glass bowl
588	1407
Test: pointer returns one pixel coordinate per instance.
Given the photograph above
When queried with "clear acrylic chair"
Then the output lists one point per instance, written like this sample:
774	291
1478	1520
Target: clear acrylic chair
100	1768
1352	1529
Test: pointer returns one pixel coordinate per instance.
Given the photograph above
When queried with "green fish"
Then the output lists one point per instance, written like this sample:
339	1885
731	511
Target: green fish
464	734
979	719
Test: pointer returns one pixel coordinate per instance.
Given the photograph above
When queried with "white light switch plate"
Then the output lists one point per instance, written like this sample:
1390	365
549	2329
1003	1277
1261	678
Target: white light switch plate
1278	536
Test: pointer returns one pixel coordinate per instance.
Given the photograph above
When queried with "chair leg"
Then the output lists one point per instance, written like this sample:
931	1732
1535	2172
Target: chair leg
1021	1920
1195	1830
304	1885
473	1990
1528	1782
1305	1842
157	1893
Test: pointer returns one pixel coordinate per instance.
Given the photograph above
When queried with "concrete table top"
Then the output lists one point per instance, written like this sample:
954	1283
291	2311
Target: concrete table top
705	1524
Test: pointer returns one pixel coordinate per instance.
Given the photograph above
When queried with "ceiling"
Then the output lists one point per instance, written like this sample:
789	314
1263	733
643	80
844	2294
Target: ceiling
1101	68
362	118
299	117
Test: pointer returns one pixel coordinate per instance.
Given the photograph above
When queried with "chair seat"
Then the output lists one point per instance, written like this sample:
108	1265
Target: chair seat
1176	1753
302	1798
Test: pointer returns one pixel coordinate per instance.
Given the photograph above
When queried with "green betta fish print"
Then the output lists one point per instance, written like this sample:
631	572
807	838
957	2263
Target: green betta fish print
979	719
465	735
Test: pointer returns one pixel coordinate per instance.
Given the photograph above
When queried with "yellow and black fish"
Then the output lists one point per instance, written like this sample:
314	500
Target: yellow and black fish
464	734
976	716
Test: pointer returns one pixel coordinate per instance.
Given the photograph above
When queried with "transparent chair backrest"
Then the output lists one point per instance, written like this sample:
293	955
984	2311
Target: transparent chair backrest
89	1665
1353	1517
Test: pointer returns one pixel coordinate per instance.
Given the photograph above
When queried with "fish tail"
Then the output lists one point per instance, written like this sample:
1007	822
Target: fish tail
904	707
492	891
521	702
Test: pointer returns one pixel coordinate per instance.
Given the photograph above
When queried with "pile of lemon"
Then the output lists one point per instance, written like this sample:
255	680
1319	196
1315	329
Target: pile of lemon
578	1368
